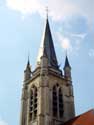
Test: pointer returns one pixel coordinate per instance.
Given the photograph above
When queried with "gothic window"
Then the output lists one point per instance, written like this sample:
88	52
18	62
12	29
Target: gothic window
33	103
60	103
54	101
57	102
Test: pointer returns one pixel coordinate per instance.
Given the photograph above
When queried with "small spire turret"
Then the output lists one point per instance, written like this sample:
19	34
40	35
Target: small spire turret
27	72
67	69
67	63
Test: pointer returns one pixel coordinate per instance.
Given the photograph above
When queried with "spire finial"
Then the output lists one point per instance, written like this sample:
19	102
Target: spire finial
27	71
28	58
66	52
47	12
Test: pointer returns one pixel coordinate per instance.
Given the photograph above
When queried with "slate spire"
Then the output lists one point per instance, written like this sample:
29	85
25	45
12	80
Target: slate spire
67	62
47	48
67	69
27	71
28	65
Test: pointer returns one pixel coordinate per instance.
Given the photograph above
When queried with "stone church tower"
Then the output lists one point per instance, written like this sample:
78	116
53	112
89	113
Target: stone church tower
47	95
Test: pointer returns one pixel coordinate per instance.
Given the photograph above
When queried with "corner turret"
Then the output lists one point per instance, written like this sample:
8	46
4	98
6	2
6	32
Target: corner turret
27	71
67	69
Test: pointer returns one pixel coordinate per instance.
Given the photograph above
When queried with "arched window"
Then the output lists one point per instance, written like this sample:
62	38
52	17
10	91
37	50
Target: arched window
33	103
57	103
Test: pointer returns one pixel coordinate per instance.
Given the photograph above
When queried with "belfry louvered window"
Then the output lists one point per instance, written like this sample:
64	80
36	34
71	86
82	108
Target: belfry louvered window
57	104
33	103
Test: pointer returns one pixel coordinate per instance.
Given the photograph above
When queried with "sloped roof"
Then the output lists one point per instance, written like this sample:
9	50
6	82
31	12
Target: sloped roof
84	119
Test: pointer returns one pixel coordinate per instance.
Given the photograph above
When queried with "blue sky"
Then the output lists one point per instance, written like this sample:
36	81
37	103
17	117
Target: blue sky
21	27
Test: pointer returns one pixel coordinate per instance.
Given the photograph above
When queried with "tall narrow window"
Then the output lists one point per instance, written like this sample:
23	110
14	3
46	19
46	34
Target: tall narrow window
33	103
54	101
60	103
57	102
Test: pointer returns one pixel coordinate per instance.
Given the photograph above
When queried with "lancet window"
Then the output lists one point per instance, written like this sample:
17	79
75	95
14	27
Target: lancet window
57	103
33	103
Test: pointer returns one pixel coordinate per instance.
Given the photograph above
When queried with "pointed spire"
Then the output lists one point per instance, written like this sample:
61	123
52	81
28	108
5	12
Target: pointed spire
28	64
27	72
67	62
47	47
67	69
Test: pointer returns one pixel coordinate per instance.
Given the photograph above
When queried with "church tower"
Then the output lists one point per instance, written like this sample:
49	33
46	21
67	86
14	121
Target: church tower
47	95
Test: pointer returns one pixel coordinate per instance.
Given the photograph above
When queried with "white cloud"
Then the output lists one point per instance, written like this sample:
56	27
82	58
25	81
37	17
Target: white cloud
70	42
64	42
80	35
25	6
91	53
58	9
2	122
